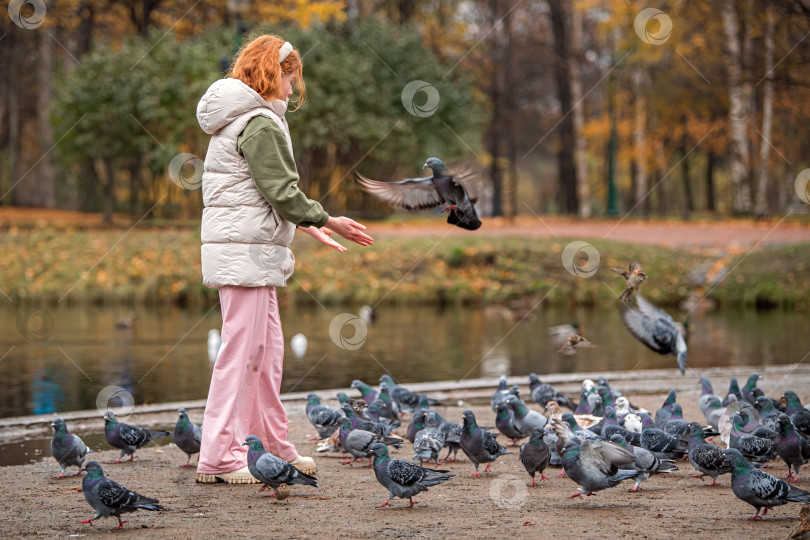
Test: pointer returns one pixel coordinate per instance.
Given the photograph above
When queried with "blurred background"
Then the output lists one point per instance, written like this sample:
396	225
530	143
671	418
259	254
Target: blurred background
675	135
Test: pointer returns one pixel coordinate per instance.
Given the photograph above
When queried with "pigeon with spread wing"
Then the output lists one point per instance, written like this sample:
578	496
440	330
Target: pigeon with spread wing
457	190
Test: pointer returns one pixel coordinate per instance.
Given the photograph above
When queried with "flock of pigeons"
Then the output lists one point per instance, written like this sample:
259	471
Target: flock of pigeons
601	442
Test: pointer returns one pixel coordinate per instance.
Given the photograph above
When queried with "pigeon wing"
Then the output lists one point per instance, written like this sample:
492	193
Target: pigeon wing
408	194
404	473
114	495
132	435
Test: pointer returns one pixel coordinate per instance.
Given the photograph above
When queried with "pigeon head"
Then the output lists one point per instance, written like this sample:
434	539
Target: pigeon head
435	164
764	404
515	390
752	380
430	419
538	433
553	408
572	447
622	404
756	392
588	385
109	416
534	379
379	450
342	397
93	469
357	383
502	383
253	443
618	439
792	400
57	424
502	410
603	382
569	419
345	424
736	459
313	399
715	403
706	385
784	424
385	378
182	412
347	409
677	411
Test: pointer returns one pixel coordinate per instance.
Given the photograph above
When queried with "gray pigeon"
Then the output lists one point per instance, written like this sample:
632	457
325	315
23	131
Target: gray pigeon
444	187
126	437
714	411
505	422
542	393
535	455
403	479
663	414
428	443
758	488
324	419
67	449
479	445
500	394
187	436
273	471
646	462
595	465
654	328
357	442
753	448
706	458
110	498
706	395
791	446
525	419
659	442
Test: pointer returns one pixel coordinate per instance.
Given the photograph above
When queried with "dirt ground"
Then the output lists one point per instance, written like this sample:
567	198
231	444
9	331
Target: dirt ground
496	505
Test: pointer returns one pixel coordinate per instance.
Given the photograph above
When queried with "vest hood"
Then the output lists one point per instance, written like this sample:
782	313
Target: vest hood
229	98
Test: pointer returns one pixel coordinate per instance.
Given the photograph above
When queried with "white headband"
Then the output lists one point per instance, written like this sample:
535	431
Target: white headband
284	51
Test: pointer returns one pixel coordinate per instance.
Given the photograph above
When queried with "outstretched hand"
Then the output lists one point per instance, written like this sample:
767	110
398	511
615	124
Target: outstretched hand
350	230
322	235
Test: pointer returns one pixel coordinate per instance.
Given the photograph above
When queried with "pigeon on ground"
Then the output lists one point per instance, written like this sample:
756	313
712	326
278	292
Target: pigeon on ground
67	449
368	393
791	446
535	455
655	329
110	498
676	425
612	427
634	276
500	394
755	449
659	442
706	458
595	465
646	462
325	419
798	414
384	406
663	414
357	442
583	407
733	390
458	190
403	479
380	428
758	488
706	395
714	412
525	419
571	421
404	398
429	441
127	437
505	422
542	393
273	471
187	436
748	390
480	446
768	413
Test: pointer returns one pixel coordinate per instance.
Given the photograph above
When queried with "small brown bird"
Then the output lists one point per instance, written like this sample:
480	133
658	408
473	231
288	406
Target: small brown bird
569	348
282	492
635	277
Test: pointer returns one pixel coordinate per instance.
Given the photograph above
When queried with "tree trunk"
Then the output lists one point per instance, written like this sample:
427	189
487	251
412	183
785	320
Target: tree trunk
45	172
641	183
761	204
710	162
109	192
578	115
497	122
567	173
511	105
738	112
686	176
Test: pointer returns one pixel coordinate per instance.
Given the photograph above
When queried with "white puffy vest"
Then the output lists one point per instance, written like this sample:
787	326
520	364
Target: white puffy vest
245	241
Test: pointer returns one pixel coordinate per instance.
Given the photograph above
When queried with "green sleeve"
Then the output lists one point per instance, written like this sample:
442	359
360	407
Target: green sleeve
272	167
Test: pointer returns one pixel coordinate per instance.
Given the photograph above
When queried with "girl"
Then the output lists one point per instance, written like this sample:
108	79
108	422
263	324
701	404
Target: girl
252	208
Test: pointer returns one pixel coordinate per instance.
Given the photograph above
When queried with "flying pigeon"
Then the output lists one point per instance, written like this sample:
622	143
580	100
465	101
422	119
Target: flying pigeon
110	498
595	465
759	488
458	190
126	437
325	419
479	445
535	455
67	449
542	393
634	276
572	343
655	329
403	479
187	436
273	471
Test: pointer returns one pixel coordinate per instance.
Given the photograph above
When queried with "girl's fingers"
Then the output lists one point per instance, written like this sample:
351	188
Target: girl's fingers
326	231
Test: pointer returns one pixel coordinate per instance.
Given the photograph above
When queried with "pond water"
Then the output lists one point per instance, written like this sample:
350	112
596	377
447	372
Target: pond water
163	357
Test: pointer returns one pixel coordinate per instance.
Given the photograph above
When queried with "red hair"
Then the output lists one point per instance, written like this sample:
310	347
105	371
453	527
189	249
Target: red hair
256	64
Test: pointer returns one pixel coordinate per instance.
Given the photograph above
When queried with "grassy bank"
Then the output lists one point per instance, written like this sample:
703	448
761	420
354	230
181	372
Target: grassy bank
44	265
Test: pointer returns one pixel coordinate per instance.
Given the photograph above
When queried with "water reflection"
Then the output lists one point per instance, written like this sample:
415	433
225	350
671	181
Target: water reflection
164	357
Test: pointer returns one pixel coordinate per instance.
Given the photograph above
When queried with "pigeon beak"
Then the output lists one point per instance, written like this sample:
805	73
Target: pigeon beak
425	166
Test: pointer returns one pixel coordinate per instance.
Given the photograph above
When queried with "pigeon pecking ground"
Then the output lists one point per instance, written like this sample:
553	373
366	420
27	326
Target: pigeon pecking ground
495	505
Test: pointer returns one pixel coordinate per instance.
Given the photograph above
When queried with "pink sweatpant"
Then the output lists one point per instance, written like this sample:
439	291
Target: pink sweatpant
244	395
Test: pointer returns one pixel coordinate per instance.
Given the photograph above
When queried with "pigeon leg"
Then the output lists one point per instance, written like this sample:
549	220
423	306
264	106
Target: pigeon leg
264	486
384	504
78	473
90	521
765	513
755	516
534	483
62	474
590	494
131	458
714	483
452	207
476	474
349	462
488	466
187	462
413	502
117	460
635	488
577	494
543	477
120	524
697	475
561	474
